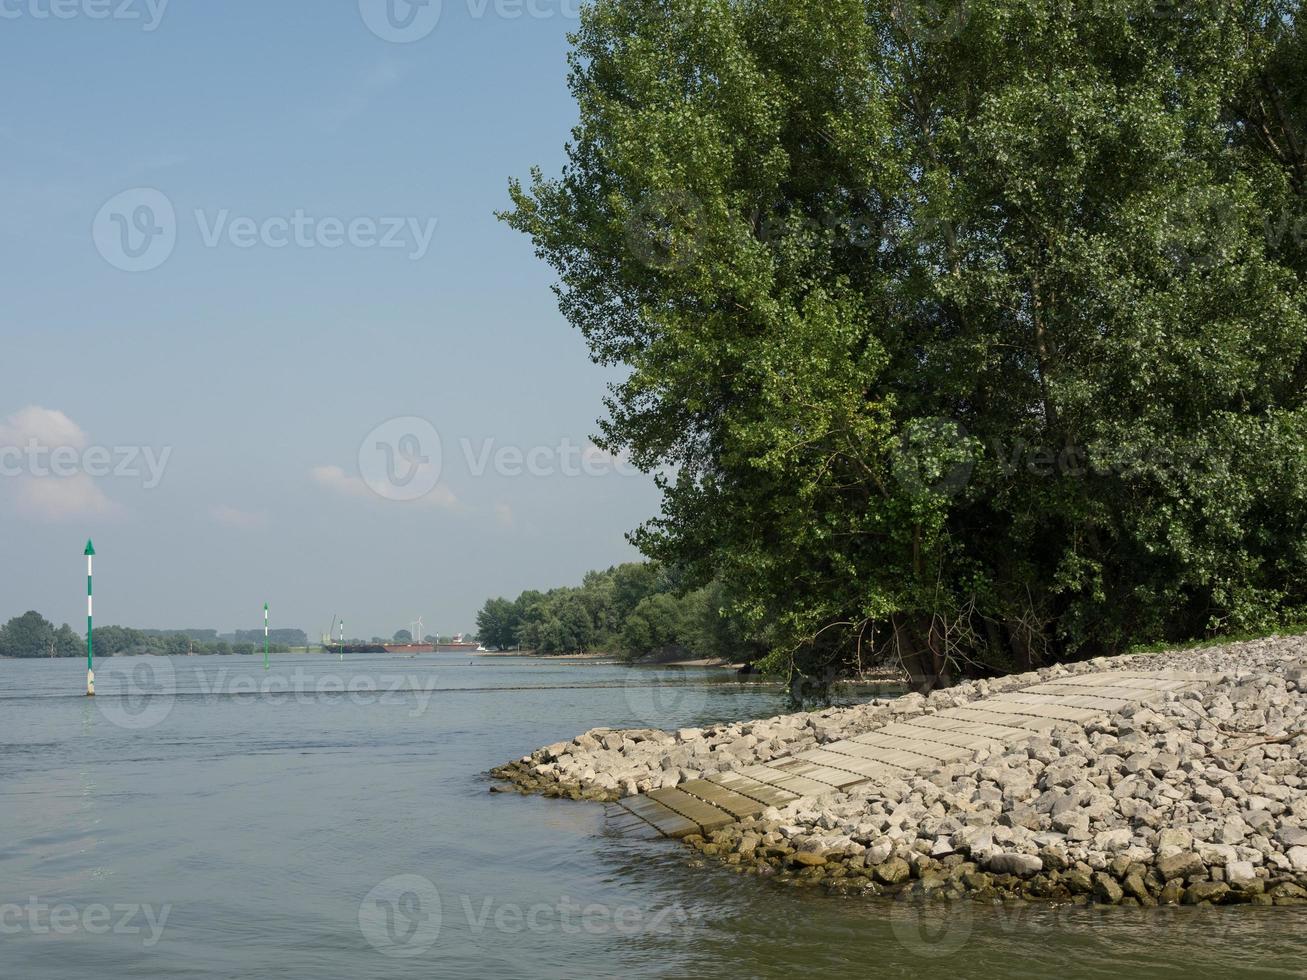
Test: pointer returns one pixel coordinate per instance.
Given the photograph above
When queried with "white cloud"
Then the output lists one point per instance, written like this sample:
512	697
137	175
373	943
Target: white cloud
234	517
46	426
337	480
62	498
29	487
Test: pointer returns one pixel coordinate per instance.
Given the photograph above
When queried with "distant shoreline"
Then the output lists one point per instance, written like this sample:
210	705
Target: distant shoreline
593	655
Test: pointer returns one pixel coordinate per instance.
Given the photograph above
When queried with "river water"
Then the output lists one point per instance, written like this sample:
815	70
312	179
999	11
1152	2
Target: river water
204	818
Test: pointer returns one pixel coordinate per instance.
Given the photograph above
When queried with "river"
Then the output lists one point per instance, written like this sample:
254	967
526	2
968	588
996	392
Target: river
204	818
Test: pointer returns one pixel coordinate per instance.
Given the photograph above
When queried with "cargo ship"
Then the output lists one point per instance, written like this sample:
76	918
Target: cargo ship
413	647
329	646
458	645
408	647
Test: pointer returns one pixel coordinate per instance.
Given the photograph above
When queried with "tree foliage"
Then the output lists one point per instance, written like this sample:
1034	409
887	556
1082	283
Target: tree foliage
970	330
636	609
32	635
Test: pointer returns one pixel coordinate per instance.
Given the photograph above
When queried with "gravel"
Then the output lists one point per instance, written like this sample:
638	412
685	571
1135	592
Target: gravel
1197	798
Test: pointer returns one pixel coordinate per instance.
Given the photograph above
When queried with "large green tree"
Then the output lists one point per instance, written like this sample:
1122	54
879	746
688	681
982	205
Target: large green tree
497	624
28	635
968	330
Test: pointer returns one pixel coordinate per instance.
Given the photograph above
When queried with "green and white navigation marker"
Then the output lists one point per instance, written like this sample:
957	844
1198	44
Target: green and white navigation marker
90	652
265	636
342	640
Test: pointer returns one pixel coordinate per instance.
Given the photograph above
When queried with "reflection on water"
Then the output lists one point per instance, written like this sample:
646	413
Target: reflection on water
203	818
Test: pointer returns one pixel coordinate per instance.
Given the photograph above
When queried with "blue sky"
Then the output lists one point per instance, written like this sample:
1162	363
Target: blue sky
253	362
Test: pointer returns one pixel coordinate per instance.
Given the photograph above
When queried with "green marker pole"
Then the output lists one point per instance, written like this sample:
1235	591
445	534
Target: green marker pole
90	650
265	636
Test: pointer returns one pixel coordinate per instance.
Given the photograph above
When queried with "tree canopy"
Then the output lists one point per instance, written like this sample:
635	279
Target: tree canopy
32	635
636	610
975	330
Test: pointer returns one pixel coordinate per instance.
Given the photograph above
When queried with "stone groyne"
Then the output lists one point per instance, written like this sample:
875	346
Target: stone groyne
1167	778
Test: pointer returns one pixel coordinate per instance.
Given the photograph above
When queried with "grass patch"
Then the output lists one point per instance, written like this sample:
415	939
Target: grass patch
1293	629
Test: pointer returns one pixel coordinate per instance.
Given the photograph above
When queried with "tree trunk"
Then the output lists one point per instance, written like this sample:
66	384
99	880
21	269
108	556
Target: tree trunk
920	650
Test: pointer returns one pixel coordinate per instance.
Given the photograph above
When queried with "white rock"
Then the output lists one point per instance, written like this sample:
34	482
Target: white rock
1239	872
1015	864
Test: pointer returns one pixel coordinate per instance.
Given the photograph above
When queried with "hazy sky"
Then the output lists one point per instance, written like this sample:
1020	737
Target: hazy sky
309	201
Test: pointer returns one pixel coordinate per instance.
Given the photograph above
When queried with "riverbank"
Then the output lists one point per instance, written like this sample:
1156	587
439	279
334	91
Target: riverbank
1199	797
601	655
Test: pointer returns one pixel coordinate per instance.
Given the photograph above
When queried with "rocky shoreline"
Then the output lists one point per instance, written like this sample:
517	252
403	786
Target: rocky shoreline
1199	798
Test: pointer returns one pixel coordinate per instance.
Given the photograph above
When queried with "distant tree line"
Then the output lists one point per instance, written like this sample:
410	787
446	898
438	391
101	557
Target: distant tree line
637	610
289	638
32	635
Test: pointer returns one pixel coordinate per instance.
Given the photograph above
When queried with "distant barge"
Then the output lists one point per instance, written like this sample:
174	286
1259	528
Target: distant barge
458	645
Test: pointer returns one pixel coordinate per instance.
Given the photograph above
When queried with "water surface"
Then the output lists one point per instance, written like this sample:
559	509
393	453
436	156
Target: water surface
203	818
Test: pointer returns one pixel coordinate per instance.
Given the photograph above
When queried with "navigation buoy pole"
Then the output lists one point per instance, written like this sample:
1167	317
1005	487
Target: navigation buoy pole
342	640
265	636
90	650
